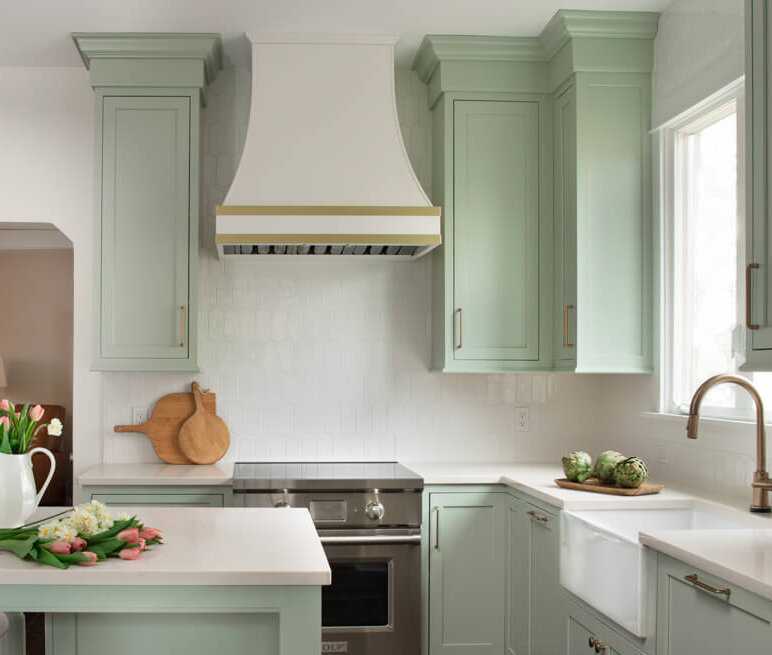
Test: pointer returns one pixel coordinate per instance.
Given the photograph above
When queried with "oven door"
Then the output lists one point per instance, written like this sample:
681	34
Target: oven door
373	606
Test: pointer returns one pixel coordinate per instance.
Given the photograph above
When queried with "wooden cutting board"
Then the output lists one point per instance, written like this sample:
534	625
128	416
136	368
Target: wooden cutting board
592	484
163	426
204	438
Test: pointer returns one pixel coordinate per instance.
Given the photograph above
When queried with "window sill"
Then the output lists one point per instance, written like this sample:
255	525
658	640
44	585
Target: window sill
673	418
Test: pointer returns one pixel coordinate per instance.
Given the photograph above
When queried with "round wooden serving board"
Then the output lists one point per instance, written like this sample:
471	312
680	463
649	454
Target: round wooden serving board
204	438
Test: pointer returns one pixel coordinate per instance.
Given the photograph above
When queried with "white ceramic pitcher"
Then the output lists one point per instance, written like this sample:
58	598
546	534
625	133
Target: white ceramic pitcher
17	487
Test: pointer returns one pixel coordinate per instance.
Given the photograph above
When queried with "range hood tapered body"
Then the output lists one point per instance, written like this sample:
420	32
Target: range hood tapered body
324	169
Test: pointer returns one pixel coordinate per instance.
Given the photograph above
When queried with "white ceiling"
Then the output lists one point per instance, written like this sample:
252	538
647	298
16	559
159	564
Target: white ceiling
36	32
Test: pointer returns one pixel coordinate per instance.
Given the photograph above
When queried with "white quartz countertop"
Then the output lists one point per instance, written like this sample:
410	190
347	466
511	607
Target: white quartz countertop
202	546
538	480
159	474
741	557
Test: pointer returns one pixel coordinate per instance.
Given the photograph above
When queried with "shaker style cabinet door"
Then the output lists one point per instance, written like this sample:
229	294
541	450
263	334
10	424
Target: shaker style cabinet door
466	573
145	232
758	143
496	230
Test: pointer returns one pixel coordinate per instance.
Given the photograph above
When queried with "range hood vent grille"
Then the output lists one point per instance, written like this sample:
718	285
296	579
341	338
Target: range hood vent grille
360	250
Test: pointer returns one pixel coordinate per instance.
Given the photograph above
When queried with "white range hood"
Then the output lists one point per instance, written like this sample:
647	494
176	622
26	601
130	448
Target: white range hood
324	169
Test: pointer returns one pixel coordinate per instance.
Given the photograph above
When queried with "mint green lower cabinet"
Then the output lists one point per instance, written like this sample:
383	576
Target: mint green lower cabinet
585	632
516	623
695	621
545	593
134	496
466	573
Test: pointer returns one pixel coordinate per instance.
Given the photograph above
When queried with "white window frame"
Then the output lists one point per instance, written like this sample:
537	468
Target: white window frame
671	213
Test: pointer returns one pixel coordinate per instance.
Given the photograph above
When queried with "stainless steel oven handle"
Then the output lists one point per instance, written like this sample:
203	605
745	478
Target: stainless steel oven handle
373	539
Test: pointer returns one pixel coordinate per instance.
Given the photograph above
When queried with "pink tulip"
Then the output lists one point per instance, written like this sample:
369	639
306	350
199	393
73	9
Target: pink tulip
4	422
150	533
92	558
5	405
60	548
18	414
129	534
130	553
142	543
78	544
36	413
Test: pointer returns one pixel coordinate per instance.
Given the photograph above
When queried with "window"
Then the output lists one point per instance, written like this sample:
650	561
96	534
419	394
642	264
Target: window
703	207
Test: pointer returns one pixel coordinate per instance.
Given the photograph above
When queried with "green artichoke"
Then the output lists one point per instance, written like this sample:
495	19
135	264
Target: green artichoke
605	466
577	465
631	472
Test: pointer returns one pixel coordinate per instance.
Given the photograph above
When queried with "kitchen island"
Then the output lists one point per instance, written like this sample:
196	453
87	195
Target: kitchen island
225	581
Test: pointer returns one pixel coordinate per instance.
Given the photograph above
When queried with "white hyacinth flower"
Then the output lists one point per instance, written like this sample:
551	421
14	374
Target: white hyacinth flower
55	427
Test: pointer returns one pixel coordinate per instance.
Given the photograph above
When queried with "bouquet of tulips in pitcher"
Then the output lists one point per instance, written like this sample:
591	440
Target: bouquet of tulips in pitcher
86	535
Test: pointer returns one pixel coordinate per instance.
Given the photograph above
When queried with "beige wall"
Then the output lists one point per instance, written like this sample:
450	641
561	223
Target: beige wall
36	326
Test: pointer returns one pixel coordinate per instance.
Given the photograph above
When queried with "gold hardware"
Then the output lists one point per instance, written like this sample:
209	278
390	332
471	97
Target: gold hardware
460	328
324	210
748	318
698	583
331	239
182	326
437	527
565	326
534	515
598	645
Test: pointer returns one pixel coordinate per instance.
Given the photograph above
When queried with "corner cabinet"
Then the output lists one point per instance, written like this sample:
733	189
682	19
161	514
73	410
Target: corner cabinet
147	190
758	142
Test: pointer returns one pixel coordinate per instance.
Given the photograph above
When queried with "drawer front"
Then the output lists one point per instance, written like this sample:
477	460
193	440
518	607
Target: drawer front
588	635
160	500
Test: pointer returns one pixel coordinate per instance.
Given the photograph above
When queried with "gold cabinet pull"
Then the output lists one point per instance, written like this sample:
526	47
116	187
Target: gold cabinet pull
599	646
182	326
460	313
436	527
534	515
748	304
566	309
698	583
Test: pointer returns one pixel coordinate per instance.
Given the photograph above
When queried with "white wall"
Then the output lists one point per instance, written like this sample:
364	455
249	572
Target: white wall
46	176
699	49
329	359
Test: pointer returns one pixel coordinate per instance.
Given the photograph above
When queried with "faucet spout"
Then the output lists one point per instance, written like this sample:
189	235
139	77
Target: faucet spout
761	484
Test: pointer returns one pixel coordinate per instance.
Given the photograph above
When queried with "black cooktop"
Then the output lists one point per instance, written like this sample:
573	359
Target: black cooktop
338	476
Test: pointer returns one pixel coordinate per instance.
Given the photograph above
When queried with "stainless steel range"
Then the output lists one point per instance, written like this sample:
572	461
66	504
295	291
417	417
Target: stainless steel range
368	515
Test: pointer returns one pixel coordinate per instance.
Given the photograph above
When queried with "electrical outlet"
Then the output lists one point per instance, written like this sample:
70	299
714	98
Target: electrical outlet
522	419
140	415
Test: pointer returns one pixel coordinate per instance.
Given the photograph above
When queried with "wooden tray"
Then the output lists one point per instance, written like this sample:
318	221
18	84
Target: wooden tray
592	484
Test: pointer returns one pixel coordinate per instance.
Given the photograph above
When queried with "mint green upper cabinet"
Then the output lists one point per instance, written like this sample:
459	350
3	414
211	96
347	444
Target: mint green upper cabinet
496	231
693	621
146	225
758	141
564	209
148	96
466	581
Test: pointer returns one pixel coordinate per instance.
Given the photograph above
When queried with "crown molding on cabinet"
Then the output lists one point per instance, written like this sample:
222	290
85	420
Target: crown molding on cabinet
573	41
132	59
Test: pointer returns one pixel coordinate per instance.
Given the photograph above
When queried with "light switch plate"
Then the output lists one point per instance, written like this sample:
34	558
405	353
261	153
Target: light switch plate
139	415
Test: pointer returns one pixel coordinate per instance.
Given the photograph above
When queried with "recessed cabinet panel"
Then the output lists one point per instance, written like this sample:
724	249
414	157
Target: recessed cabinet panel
496	230
145	227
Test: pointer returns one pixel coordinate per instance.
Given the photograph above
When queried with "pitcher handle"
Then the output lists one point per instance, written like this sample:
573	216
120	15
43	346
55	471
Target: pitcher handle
50	456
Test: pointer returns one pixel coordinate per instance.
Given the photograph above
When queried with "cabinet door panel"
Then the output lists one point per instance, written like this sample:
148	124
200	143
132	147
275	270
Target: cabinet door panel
516	622
466	576
145	227
496	230
546	596
161	500
565	229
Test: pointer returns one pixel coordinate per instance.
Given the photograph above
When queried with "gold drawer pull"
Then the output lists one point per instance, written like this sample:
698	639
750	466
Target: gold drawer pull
748	318
437	528
599	646
698	583
460	328
566	309
182	327
534	515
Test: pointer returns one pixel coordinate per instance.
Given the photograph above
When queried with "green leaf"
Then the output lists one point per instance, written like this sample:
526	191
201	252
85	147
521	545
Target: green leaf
19	546
45	556
73	558
109	534
5	442
99	552
108	546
